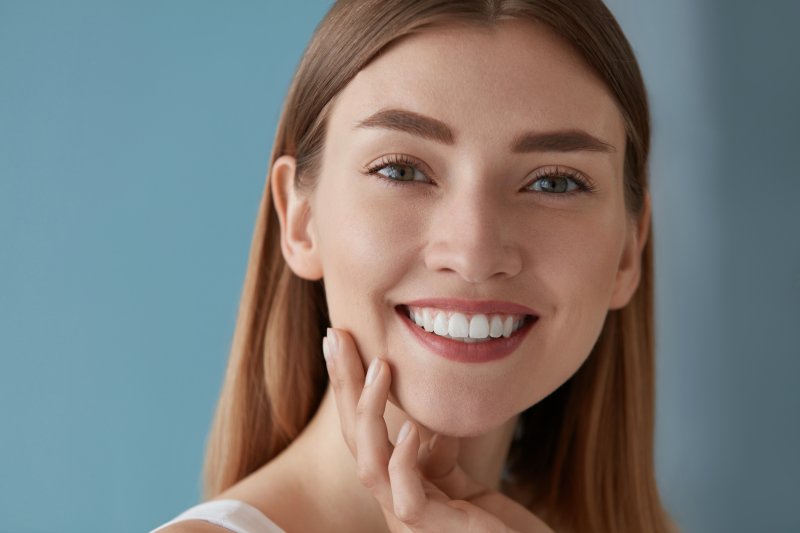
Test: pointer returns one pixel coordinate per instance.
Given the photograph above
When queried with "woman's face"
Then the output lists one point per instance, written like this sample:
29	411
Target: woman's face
479	220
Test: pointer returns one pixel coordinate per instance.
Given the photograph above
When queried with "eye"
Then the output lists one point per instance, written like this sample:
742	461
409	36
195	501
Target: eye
398	172
557	182
397	169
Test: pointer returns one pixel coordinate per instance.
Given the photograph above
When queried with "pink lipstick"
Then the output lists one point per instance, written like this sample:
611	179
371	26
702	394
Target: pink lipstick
477	352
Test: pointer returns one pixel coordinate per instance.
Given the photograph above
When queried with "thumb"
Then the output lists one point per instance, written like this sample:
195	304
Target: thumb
438	463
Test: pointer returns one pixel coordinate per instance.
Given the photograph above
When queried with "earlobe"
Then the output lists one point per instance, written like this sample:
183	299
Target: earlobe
630	267
299	242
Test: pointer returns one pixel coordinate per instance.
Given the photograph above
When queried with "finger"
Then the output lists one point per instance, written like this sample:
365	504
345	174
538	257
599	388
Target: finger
408	495
439	456
373	448
412	504
347	378
440	466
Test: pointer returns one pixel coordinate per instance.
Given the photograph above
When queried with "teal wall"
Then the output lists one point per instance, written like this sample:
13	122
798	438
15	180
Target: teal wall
724	80
134	141
134	144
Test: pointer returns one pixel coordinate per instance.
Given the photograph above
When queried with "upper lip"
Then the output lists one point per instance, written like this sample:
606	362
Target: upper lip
474	306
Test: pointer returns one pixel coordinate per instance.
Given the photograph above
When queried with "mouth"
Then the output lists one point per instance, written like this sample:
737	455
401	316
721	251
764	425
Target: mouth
467	349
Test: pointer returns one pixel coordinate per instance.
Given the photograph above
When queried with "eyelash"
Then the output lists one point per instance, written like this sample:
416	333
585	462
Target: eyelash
584	185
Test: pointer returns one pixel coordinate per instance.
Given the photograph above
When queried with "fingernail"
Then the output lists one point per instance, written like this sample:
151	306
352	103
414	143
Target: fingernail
334	341
372	372
432	442
403	432
326	349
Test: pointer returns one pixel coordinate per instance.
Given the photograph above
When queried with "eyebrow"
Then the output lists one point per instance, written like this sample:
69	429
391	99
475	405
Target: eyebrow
571	140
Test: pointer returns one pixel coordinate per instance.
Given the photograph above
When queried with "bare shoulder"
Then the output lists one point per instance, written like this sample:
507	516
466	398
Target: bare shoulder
279	499
193	526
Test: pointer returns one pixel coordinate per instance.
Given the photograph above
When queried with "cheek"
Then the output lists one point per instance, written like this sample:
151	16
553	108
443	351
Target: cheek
578	270
368	240
371	224
580	264
367	249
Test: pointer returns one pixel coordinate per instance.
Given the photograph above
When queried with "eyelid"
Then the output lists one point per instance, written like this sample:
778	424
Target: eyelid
400	159
583	181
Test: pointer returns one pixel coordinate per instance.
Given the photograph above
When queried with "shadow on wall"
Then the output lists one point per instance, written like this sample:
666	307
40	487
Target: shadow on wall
725	174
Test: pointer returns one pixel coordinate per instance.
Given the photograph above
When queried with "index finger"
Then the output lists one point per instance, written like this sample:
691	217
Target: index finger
347	378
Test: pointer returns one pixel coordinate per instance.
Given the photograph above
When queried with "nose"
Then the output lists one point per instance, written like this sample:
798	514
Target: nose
472	235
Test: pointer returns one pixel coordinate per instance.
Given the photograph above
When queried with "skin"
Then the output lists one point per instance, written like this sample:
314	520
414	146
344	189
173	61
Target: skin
467	228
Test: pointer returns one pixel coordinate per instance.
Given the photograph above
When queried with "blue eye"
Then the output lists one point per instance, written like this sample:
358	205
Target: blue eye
555	184
397	169
560	183
398	172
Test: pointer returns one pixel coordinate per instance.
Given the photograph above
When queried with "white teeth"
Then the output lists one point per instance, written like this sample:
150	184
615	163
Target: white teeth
508	326
427	320
440	325
496	327
479	327
459	326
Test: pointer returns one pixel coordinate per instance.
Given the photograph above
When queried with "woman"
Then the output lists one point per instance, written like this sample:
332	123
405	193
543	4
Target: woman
469	180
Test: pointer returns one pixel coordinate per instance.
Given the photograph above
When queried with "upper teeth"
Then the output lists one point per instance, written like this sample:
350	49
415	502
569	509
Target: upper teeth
465	327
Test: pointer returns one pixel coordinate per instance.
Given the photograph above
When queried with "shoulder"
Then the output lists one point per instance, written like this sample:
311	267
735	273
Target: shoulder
278	493
218	515
193	526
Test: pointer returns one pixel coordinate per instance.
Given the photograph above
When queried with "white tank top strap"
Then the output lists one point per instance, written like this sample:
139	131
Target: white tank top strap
234	515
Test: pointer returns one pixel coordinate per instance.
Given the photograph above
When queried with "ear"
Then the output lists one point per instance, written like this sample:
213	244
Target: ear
299	241
630	265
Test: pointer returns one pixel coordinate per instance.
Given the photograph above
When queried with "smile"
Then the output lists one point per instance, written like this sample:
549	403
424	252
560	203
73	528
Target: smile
466	338
466	328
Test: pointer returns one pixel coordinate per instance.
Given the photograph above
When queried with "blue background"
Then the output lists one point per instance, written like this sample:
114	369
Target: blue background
134	143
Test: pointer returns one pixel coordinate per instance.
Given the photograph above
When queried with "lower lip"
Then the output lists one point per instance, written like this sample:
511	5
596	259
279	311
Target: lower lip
473	352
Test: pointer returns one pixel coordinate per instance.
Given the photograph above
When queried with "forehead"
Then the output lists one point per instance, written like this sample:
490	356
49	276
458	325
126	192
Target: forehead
486	83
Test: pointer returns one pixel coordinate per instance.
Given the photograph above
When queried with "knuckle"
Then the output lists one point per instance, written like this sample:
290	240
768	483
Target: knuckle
338	381
367	474
409	514
395	466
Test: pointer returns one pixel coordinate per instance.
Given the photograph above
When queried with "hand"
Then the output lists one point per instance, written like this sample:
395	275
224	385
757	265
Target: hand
419	490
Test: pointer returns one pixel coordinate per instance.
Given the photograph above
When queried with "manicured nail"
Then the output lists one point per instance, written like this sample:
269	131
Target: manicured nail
432	442
372	372
403	432
334	341
326	351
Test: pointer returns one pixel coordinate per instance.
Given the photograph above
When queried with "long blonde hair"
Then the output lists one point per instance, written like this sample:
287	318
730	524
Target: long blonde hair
583	456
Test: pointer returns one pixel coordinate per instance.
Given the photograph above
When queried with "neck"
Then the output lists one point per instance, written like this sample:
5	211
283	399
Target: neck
322	450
